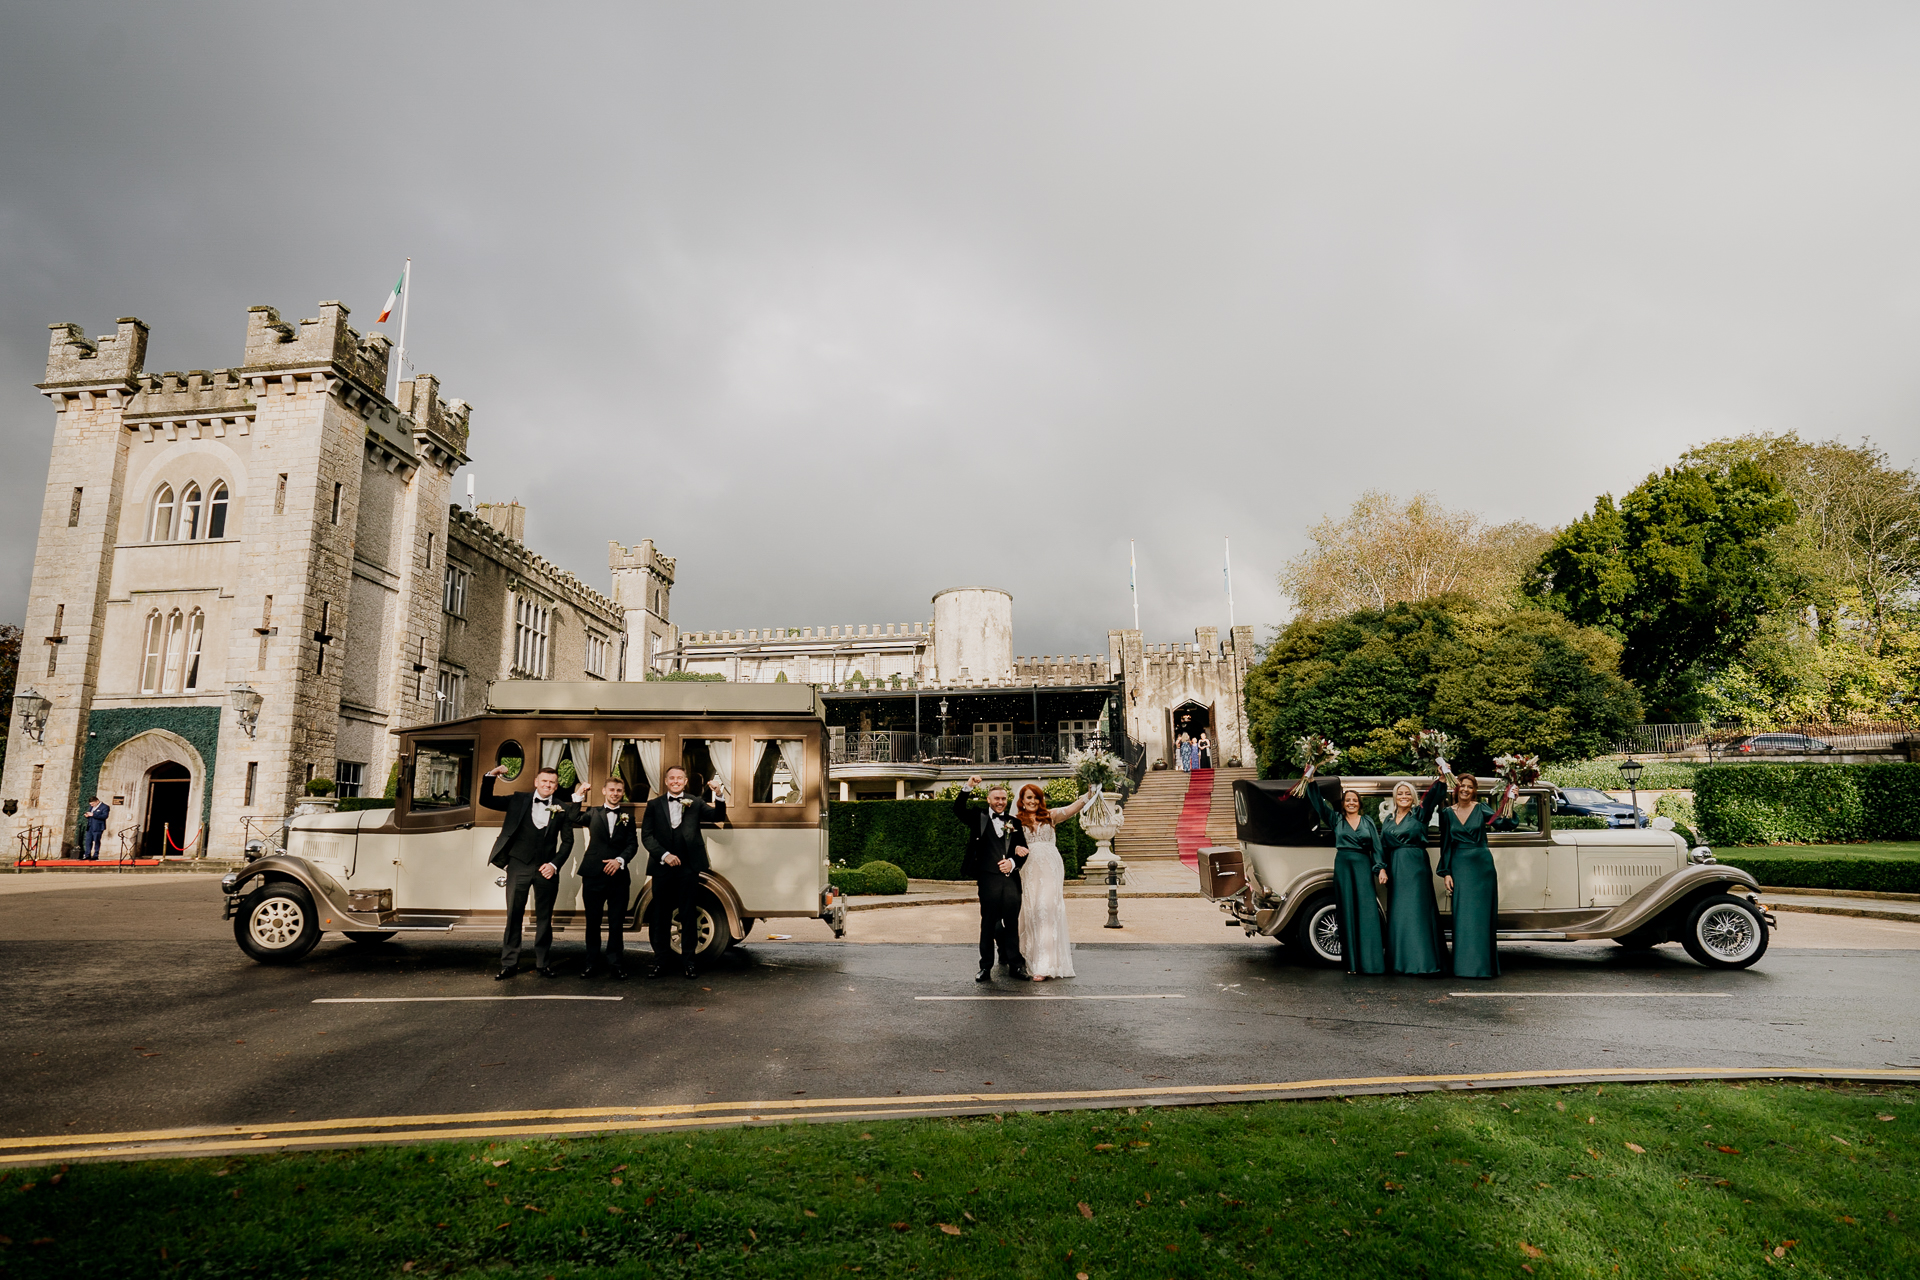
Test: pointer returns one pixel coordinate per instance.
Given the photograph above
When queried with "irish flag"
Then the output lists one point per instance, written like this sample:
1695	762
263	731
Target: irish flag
393	299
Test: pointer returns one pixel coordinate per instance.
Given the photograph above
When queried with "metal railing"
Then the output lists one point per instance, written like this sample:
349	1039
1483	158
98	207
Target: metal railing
1712	739
1010	749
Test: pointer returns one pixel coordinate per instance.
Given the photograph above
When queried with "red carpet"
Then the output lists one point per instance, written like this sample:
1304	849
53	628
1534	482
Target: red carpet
79	862
1190	831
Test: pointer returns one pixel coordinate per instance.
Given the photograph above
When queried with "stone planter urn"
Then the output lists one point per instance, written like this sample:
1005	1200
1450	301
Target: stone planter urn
1102	821
315	804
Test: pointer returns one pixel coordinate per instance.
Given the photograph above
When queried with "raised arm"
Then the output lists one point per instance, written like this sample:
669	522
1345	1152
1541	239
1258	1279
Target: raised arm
1319	803
487	799
1061	815
1435	797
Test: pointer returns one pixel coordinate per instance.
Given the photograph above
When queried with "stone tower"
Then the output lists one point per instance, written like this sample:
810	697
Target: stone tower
643	587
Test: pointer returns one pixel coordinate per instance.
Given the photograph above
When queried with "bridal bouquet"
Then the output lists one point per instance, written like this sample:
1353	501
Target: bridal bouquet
1312	753
1516	771
1431	747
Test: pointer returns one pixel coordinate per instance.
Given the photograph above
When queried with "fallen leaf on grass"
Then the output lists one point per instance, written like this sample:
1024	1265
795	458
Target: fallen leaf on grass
1780	1250
948	1227
407	1266
619	1182
1837	1138
810	1213
1085	1210
1390	1186
1883	1117
1103	1146
619	1168
1593	1153
970	1218
1079	1275
1636	1148
498	1163
899	1226
614	1208
1532	1252
1728	1151
917	1174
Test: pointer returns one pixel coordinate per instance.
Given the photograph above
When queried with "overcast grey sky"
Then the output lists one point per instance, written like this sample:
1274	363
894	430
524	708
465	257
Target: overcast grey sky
843	303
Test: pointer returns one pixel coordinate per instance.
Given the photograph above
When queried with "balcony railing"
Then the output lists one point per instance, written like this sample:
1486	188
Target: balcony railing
1013	750
1671	739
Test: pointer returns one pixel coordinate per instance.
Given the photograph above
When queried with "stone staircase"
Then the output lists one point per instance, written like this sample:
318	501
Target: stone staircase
1153	814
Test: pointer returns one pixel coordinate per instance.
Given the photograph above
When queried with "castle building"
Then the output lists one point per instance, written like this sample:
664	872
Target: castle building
247	577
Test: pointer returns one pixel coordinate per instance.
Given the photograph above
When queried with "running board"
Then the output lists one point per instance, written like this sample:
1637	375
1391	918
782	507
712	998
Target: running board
1531	935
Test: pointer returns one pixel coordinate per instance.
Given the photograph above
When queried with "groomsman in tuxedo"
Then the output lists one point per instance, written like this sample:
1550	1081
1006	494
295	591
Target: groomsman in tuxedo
535	842
606	886
676	859
996	849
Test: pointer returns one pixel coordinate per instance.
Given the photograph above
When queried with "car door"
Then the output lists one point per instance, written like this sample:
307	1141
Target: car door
1521	859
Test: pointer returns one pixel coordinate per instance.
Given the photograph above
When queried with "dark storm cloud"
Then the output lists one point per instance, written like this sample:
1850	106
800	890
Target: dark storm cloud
842	304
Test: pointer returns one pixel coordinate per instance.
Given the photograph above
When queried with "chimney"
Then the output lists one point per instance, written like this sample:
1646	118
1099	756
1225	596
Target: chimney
509	518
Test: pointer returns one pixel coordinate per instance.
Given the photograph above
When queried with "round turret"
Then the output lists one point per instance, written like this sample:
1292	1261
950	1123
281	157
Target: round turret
973	633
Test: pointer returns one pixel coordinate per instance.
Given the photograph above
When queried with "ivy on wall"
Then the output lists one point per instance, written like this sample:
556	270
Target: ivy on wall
109	727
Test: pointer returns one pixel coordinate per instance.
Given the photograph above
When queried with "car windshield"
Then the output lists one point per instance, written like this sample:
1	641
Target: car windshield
1586	795
442	774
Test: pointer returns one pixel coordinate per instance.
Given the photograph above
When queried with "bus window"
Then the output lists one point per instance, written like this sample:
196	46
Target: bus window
776	771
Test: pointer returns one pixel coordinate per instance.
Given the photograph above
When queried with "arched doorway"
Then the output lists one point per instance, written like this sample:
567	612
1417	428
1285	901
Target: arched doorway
1192	719
167	785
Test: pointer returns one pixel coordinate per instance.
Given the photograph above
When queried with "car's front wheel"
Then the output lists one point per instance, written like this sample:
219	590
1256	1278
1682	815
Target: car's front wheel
1316	933
276	923
1725	932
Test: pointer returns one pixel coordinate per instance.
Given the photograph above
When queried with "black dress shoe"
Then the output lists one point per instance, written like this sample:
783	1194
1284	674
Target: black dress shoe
618	973
985	975
590	970
547	971
655	971
690	972
1020	974
504	974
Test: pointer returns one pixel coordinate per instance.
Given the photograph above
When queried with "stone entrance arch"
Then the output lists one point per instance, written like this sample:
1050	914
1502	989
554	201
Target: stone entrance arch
1191	718
127	778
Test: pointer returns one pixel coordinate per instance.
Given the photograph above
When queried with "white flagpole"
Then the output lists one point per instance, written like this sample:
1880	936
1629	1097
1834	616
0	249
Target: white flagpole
406	296
1133	586
1226	545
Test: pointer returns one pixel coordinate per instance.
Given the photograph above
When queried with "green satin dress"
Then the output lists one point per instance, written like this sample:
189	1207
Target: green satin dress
1357	857
1415	943
1464	855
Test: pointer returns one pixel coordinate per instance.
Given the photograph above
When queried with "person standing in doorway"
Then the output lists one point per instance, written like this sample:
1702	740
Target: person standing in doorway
96	815
676	859
534	843
996	848
606	886
1204	750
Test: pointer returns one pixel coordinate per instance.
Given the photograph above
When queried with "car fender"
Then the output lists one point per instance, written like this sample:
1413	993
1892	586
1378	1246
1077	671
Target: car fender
715	884
328	894
1272	920
1648	905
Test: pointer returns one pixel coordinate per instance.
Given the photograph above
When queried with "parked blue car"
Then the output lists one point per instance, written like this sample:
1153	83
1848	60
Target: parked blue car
1588	802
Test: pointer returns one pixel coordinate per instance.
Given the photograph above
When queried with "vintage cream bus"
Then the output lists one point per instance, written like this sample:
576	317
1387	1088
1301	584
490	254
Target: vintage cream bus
421	867
1639	887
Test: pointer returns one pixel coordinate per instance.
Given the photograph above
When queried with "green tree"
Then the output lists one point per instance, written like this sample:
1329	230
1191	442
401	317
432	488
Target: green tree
10	638
1496	681
1681	572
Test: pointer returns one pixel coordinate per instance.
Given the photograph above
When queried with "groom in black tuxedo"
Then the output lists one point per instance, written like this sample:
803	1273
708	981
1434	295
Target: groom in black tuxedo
996	849
676	859
606	885
536	839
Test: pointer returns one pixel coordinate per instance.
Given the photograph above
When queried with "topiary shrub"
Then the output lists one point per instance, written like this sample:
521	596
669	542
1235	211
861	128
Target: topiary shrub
319	786
848	880
1604	775
1751	804
921	837
884	877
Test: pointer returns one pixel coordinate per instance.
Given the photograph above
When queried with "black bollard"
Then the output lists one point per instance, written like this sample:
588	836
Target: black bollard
1113	896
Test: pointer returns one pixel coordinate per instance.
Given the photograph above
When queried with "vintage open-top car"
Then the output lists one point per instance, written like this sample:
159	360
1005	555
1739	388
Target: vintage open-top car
421	867
1638	887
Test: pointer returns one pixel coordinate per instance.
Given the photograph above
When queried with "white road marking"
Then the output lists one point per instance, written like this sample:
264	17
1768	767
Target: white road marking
446	999
1150	997
1598	995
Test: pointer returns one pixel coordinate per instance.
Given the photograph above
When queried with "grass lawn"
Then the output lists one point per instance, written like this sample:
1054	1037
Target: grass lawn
1719	1180
1885	850
1888	866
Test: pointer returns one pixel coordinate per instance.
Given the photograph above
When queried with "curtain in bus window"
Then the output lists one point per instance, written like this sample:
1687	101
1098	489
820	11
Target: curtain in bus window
568	756
636	762
721	749
791	753
776	773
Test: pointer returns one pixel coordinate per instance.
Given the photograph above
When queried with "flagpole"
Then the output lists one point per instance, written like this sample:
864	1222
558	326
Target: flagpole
1226	545
1133	586
406	296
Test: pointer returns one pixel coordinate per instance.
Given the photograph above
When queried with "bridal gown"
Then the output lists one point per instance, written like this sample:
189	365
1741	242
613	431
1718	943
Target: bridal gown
1043	907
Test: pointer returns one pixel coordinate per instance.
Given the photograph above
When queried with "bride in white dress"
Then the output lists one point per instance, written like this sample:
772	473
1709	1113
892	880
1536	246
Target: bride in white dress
1044	943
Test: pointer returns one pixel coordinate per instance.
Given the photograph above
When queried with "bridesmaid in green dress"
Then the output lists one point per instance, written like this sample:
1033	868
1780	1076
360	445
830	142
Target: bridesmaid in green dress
1466	864
1357	860
1415	944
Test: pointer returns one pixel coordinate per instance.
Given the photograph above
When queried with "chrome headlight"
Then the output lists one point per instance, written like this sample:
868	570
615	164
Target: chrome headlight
1702	856
228	881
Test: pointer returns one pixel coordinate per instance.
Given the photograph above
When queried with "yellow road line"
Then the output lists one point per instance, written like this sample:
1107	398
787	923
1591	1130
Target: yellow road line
389	1128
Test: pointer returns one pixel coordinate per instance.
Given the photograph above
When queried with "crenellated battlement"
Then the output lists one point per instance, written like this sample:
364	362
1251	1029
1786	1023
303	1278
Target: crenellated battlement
327	339
1079	668
848	636
115	358
480	532
640	558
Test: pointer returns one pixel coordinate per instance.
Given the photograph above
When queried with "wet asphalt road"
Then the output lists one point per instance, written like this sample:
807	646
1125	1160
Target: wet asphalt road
132	1009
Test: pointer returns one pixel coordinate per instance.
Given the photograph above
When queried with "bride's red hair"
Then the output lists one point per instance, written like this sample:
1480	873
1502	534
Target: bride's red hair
1039	815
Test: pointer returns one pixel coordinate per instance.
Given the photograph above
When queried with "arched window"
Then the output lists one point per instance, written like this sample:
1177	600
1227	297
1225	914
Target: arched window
150	669
162	527
190	513
176	651
217	511
196	628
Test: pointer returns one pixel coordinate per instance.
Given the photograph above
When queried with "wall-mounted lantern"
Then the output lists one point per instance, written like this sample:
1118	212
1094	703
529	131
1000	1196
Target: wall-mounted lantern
246	705
32	709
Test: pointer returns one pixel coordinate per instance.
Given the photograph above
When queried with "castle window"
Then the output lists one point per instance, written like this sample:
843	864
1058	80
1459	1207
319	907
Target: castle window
596	654
196	632
280	494
338	489
162	527
448	692
348	778
453	591
156	645
176	652
530	623
73	512
217	511
190	513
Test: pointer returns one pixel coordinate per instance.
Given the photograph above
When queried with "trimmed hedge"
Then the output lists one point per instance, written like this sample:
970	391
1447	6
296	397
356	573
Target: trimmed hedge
1604	775
350	803
1749	804
873	878
921	837
1788	869
1578	822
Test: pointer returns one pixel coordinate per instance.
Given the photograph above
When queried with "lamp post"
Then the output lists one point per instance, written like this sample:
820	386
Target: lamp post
246	705
1630	769
32	708
943	727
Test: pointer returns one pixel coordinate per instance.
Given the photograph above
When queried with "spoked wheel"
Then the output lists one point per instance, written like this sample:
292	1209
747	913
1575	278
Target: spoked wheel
1316	933
276	923
713	937
1725	932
